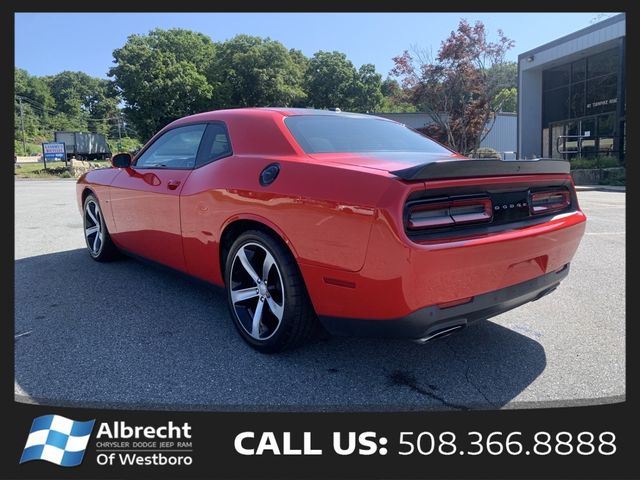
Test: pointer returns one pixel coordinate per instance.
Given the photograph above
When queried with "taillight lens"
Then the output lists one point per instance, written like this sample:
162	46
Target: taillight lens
455	212
549	202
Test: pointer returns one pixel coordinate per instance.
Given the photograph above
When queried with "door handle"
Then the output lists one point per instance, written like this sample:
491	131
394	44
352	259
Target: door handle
173	184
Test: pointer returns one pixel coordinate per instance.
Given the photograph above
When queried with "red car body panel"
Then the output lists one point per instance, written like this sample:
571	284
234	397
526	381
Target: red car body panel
146	213
341	215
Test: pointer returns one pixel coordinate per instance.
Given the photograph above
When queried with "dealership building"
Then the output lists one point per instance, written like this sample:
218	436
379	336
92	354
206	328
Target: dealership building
571	95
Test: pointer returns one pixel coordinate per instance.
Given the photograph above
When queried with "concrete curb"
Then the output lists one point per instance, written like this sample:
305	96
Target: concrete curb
601	188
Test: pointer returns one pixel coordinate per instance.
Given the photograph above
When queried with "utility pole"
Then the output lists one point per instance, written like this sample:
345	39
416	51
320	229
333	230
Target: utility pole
119	135
24	142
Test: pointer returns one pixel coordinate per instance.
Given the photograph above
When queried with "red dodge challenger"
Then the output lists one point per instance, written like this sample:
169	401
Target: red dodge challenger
353	220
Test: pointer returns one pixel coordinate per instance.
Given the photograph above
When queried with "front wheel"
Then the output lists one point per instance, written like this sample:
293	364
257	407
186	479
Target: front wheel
96	235
266	294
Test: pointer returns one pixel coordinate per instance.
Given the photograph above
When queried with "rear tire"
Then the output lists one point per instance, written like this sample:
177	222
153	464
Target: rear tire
96	234
266	295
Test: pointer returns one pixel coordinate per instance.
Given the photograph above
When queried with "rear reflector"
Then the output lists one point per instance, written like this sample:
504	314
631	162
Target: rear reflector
548	202
455	303
455	212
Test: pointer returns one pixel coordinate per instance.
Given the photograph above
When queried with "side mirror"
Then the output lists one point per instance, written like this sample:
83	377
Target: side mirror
121	160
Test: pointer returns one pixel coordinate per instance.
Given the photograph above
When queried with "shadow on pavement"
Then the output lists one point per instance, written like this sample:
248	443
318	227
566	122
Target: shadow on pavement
129	335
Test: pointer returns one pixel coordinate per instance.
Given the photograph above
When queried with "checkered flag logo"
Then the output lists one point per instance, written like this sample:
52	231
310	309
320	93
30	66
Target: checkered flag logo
57	440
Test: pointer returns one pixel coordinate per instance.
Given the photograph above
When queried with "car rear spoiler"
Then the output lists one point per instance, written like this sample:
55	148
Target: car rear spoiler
481	167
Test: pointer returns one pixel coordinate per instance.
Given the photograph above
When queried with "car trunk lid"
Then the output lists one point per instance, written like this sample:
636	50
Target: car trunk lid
418	166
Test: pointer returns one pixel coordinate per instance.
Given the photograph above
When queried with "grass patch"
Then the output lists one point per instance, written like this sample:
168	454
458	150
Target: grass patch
36	170
54	170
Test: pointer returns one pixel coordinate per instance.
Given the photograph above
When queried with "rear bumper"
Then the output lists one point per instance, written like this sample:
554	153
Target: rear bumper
428	321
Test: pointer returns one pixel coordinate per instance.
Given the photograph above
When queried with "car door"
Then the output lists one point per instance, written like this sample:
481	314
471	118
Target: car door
145	198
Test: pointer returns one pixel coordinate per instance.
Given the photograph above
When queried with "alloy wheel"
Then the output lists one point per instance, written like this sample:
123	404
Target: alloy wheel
257	291
93	232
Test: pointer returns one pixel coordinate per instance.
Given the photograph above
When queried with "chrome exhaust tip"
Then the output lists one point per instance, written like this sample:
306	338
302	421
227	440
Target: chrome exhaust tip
440	333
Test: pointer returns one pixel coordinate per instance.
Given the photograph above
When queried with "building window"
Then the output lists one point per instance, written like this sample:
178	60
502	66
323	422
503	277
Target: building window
556	105
585	87
603	63
577	100
556	77
578	71
602	94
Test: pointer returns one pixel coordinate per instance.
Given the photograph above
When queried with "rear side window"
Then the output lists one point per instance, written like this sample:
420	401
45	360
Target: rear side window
215	145
344	134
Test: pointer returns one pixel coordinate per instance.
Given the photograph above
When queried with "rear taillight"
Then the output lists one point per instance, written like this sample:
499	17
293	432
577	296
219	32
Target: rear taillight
449	213
548	202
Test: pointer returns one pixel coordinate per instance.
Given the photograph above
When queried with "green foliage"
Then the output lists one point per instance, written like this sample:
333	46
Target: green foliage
37	170
162	76
394	98
329	81
617	178
332	81
32	148
506	100
84	103
37	101
126	144
393	105
458	86
389	87
257	72
367	89
587	163
168	74
503	75
66	101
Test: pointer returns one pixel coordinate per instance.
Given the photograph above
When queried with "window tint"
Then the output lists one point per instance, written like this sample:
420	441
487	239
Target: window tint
603	63
334	133
215	144
175	149
556	105
602	94
556	77
578	70
577	99
220	146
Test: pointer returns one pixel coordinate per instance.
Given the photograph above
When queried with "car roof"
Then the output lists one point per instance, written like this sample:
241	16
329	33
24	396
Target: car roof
269	111
311	111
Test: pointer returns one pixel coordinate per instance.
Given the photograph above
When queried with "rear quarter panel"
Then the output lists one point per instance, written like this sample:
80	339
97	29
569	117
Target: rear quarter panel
323	213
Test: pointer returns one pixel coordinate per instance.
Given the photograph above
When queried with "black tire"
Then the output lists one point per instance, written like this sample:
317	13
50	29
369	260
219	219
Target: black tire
283	292
102	250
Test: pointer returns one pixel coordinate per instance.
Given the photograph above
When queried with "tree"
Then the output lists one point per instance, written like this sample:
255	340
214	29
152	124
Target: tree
330	79
333	82
82	102
162	76
367	89
302	64
256	72
389	87
37	104
506	100
503	78
458	88
394	98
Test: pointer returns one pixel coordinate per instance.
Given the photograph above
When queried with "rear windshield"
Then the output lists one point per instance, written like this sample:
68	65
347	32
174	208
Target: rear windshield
336	134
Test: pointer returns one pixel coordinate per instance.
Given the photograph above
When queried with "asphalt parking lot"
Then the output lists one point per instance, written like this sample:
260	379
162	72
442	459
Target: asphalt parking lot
127	334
